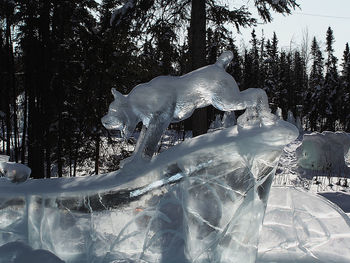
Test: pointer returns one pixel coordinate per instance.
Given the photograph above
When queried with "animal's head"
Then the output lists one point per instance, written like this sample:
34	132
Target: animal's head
120	115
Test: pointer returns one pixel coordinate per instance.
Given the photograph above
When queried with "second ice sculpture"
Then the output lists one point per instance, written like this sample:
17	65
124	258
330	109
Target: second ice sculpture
167	99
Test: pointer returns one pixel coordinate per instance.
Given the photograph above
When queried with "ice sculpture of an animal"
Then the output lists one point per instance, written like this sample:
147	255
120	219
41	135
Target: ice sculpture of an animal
324	151
167	99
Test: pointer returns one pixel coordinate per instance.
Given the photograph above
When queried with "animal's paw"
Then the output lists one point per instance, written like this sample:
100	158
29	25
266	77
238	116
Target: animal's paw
134	162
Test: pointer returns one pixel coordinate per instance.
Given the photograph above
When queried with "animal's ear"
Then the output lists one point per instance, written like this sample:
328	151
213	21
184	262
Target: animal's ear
117	95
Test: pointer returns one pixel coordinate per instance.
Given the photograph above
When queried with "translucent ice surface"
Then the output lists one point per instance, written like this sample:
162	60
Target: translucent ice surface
201	201
167	99
324	151
302	227
15	172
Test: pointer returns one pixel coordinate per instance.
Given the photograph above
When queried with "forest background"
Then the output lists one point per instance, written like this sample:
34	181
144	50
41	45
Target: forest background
60	59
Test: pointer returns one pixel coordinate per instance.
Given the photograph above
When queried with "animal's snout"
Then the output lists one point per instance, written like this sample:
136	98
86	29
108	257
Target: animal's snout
106	121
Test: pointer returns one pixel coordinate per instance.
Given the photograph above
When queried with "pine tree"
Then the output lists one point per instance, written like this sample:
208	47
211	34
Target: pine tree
345	85
331	91
255	60
272	72
312	103
247	71
299	84
284	82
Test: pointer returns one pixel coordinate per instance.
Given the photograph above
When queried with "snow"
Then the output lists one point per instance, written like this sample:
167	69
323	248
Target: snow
324	151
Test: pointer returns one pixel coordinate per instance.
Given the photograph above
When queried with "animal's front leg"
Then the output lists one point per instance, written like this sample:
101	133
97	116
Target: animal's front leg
156	128
138	149
141	140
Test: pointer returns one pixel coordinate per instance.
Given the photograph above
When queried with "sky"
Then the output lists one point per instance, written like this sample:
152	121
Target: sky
314	16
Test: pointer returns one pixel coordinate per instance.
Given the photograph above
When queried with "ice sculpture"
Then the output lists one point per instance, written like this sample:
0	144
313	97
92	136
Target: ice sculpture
200	201
15	172
167	99
19	252
302	227
324	151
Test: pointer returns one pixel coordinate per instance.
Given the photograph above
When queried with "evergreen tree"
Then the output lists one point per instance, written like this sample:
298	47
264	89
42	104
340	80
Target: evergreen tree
284	82
272	71
255	61
299	84
345	84
330	92
312	107
251	66
247	71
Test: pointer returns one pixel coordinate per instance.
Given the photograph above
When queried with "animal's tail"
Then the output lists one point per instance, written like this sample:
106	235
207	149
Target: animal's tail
224	59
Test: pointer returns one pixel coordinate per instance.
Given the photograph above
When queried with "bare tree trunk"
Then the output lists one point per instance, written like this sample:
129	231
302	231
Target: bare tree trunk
9	85
198	58
3	136
59	145
13	88
8	124
35	129
24	132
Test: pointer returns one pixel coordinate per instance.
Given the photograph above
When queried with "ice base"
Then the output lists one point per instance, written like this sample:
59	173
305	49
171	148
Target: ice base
201	201
303	227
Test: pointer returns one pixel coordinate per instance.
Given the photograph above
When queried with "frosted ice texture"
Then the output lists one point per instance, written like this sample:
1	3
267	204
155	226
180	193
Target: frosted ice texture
324	151
4	158
215	124
15	172
290	117
302	227
229	119
279	113
19	252
167	99
200	201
